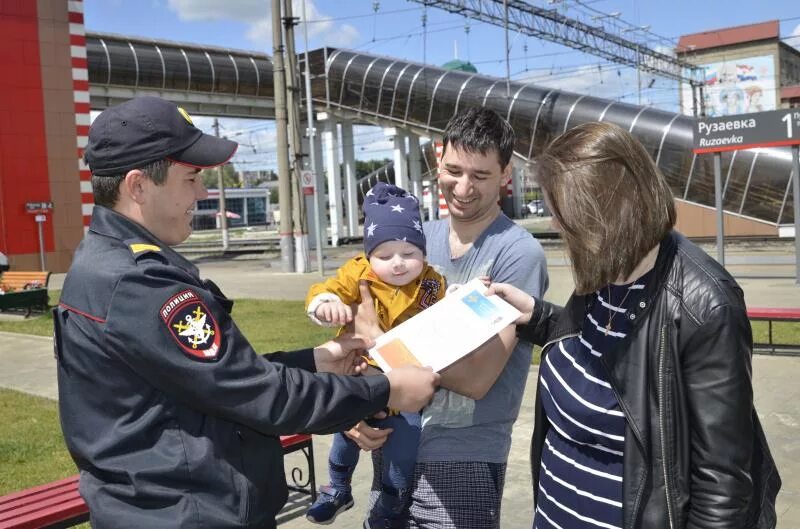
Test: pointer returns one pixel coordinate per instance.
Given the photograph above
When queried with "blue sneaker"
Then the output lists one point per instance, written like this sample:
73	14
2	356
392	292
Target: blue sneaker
330	502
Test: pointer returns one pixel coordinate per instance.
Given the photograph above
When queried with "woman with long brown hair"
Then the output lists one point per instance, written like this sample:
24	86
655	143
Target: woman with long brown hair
644	406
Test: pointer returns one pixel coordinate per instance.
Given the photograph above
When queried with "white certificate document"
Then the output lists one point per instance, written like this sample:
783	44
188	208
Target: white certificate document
449	330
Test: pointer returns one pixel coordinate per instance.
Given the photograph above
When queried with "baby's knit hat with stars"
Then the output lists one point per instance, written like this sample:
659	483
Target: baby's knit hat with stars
391	214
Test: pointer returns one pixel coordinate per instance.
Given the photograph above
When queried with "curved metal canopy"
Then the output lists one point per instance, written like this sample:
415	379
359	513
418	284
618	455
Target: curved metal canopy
755	182
206	79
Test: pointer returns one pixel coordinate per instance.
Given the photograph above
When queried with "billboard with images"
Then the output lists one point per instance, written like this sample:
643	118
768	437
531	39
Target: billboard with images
736	86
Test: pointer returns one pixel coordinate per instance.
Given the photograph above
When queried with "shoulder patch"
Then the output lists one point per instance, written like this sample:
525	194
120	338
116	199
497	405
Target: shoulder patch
192	325
138	248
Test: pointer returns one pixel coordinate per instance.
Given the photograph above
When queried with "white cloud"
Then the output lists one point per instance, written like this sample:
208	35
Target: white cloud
605	81
794	39
257	16
241	10
611	82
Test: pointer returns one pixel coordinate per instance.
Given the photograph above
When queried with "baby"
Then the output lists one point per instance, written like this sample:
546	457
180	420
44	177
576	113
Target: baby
401	284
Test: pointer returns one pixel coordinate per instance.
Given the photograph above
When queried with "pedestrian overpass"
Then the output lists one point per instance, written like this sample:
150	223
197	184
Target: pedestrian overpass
411	100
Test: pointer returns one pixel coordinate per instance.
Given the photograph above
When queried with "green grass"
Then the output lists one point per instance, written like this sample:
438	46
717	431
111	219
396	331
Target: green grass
782	332
277	325
32	449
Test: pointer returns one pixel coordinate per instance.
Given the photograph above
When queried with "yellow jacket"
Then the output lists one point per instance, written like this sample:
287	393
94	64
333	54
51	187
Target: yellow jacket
393	305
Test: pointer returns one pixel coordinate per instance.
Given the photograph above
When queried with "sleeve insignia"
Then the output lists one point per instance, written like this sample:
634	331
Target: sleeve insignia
139	248
192	325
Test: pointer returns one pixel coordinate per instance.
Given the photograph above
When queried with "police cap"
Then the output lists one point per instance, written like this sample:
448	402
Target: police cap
147	129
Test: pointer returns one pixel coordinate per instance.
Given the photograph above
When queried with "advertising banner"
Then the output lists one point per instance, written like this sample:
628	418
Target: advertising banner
736	86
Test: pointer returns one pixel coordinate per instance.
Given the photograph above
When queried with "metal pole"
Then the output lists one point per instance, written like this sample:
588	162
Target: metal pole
720	212
223	211
702	102
299	220
312	132
282	140
508	65
638	75
41	241
796	200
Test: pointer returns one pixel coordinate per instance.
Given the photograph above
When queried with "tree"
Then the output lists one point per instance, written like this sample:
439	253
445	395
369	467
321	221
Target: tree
365	167
229	177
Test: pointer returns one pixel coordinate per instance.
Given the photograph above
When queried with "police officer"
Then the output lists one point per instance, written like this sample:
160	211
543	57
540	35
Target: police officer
167	410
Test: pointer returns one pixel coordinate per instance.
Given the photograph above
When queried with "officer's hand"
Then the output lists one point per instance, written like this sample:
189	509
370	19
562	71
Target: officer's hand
343	355
366	437
365	319
411	387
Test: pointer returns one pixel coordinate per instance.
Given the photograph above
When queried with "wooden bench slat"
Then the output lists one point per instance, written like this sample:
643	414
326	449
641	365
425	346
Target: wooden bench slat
18	280
773	313
48	496
60	513
55	510
294	439
70	482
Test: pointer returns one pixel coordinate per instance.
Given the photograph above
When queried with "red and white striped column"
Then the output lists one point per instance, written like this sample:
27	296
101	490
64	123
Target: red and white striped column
80	90
443	210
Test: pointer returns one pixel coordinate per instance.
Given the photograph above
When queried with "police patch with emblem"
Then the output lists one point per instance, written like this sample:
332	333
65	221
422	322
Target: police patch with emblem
192	325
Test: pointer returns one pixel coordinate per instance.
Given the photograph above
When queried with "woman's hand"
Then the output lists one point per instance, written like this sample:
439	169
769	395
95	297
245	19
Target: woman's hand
515	297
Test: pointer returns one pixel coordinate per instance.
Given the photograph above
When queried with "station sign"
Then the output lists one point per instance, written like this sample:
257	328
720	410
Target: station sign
36	208
776	128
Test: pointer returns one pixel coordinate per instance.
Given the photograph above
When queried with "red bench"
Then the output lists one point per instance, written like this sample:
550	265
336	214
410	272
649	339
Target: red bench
58	504
771	314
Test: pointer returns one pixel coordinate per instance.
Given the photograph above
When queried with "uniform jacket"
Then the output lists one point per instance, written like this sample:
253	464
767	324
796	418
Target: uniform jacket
169	413
695	453
393	305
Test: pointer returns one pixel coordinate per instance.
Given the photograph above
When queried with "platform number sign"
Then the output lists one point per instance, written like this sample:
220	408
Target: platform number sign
777	128
788	118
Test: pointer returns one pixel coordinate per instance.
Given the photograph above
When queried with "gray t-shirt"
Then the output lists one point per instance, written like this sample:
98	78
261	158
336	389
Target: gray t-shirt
457	428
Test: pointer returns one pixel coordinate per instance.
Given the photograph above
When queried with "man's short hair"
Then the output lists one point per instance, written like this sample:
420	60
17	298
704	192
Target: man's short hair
106	188
610	199
480	130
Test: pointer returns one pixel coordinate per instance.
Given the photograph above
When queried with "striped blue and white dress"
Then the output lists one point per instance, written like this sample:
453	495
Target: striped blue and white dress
580	479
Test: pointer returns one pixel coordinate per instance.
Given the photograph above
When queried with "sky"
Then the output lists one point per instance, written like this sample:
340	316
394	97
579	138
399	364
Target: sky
408	30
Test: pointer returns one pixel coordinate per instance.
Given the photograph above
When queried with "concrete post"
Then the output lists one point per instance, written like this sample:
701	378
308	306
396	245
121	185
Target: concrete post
349	163
415	165
319	194
400	162
330	142
319	183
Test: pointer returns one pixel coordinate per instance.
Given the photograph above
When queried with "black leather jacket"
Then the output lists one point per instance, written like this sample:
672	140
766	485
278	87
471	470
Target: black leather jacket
695	452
